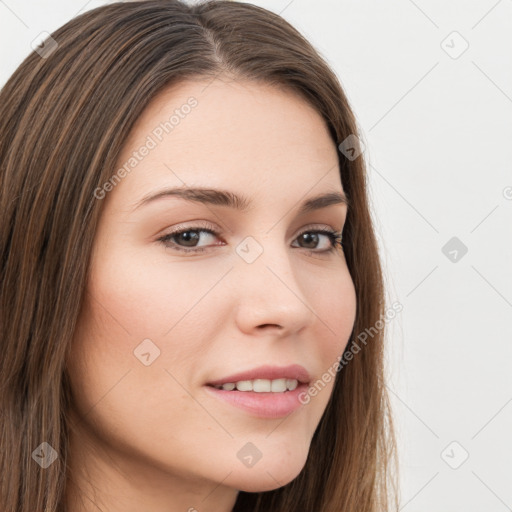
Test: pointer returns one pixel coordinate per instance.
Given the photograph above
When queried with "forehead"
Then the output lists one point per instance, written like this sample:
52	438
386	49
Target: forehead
246	134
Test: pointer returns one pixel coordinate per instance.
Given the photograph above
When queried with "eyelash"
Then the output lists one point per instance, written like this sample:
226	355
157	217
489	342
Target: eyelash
334	236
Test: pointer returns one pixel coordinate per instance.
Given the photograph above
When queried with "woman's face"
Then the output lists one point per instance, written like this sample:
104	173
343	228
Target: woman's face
160	321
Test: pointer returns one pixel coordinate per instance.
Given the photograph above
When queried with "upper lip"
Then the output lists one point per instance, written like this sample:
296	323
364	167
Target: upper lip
294	371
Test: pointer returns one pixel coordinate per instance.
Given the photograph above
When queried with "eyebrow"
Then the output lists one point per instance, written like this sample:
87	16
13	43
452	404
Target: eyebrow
227	198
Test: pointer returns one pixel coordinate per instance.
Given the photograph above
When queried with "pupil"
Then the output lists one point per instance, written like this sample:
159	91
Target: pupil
310	237
187	237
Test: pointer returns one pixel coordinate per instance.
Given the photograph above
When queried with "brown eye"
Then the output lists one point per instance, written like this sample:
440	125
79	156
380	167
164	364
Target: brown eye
190	238
313	238
310	239
187	239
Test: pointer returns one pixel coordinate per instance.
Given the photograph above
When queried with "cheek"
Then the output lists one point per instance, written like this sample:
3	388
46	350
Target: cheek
150	292
334	304
121	399
131	300
335	308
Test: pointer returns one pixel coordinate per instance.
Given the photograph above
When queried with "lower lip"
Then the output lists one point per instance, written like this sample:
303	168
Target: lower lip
263	405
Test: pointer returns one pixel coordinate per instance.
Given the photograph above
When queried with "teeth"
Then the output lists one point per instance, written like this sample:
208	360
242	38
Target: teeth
261	385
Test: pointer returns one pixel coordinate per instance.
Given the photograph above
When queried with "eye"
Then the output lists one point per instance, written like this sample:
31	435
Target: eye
187	239
314	237
189	236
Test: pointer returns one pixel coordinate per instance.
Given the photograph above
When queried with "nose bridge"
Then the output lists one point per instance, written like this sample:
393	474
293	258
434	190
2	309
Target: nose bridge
268	289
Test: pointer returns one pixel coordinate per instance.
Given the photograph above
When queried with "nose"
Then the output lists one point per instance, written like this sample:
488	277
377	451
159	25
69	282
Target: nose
270	298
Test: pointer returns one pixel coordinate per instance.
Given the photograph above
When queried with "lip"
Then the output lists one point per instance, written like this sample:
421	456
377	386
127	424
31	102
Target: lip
262	405
293	371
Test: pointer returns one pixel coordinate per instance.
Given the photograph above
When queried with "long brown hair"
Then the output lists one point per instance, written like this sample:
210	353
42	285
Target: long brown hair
64	118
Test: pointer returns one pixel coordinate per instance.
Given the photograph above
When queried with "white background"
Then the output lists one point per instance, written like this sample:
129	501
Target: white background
438	135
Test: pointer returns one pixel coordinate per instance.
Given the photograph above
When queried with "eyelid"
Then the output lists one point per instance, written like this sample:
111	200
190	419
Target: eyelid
210	228
312	227
193	225
200	225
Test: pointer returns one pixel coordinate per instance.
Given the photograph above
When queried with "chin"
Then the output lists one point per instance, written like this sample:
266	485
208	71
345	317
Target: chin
266	478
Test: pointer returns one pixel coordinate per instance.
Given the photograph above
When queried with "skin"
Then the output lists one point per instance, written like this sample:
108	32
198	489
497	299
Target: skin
151	437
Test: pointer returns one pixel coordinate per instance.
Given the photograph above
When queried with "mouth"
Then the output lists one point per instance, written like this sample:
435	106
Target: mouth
261	404
264	379
260	385
264	392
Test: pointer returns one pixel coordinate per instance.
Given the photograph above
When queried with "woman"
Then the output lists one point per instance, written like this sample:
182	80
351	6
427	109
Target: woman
188	258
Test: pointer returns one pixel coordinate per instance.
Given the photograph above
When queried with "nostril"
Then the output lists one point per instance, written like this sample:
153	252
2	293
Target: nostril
270	326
